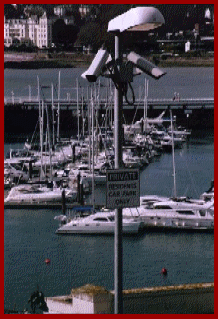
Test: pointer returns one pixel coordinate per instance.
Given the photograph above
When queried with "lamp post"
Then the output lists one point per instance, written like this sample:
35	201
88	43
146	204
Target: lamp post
118	136
136	19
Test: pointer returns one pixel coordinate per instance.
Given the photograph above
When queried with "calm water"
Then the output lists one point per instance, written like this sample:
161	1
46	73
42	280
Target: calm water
188	82
29	238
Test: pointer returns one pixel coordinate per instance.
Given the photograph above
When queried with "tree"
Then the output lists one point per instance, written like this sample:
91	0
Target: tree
91	34
59	32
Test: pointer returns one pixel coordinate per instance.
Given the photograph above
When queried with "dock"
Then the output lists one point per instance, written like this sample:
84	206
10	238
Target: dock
21	115
73	104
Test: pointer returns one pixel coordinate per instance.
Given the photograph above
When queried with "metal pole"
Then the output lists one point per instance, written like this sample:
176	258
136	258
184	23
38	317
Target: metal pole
40	128
77	104
173	156
53	120
83	118
29	93
49	142
93	147
118	136
59	93
146	106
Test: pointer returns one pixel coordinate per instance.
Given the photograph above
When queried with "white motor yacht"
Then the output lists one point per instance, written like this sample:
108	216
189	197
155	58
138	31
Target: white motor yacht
177	203
194	219
30	193
99	223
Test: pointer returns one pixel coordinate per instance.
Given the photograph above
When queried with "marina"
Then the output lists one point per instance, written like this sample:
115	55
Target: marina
80	259
144	255
129	159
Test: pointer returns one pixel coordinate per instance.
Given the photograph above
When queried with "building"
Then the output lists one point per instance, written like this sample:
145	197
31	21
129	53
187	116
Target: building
84	9
40	31
36	30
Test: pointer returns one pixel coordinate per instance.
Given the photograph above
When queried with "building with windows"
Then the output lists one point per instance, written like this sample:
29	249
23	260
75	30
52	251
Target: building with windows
84	9
36	30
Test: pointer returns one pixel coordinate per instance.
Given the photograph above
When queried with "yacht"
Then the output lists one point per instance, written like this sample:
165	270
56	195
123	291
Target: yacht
175	203
30	193
99	223
194	219
15	172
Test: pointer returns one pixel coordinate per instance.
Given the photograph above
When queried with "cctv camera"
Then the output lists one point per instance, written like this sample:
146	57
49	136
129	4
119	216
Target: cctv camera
146	66
96	66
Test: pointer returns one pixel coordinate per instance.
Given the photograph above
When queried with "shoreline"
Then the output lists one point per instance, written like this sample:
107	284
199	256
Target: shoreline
75	60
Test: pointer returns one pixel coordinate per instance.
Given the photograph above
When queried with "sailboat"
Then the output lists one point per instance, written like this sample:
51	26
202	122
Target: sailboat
161	202
43	190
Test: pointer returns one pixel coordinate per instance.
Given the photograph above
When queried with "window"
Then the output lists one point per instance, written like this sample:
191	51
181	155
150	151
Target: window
101	219
185	212
202	212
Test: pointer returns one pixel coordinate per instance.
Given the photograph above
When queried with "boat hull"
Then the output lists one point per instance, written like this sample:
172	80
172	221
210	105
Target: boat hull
97	229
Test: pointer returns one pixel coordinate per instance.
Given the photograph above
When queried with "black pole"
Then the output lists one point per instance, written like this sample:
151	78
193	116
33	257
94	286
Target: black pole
118	141
30	169
63	202
73	153
78	188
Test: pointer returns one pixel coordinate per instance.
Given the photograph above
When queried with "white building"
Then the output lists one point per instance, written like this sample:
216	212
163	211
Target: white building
84	9
35	30
60	11
14	29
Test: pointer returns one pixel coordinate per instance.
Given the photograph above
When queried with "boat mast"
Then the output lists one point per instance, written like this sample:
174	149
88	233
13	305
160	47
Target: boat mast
40	128
49	142
53	121
146	106
77	103
93	182
173	155
59	91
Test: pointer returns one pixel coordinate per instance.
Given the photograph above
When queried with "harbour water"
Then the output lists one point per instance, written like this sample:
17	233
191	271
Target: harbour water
29	238
29	235
188	82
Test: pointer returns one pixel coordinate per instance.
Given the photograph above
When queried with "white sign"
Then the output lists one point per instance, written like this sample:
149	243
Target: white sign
123	188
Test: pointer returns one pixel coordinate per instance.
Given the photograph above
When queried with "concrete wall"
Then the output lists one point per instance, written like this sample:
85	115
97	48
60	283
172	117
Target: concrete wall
182	299
185	299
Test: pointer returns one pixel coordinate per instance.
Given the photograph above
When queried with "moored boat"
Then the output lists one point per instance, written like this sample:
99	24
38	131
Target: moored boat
30	193
99	223
183	218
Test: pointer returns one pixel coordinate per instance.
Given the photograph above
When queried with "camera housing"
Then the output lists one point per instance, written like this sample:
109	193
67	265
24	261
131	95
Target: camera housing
144	65
96	66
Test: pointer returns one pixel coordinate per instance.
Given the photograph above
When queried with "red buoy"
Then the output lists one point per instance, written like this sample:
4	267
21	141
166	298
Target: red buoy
47	261
164	271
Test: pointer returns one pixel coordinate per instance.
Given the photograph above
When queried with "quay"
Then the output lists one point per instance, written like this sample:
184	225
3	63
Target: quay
178	299
22	116
73	104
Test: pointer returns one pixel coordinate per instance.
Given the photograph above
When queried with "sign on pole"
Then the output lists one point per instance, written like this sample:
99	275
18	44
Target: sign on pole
123	188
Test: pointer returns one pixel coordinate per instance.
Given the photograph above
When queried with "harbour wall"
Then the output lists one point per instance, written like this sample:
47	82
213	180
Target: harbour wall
19	119
181	299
